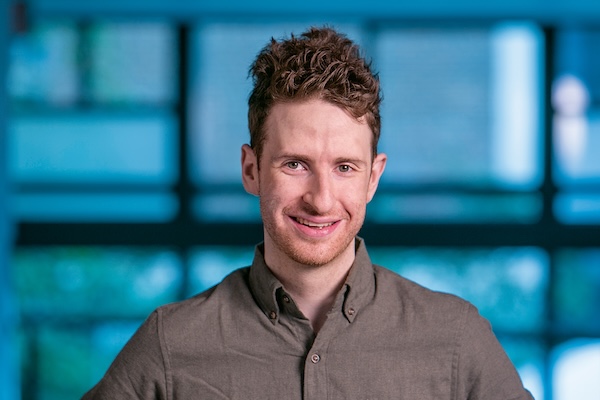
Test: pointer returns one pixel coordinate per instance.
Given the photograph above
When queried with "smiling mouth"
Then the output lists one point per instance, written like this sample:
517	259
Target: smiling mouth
313	224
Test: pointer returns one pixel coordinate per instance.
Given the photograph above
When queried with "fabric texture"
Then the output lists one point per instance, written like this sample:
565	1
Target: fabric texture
385	338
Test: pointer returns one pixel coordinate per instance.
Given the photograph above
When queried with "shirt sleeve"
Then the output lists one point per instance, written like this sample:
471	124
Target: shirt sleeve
138	371
483	368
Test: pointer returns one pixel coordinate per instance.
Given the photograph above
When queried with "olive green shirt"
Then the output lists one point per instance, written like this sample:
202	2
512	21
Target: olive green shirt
385	338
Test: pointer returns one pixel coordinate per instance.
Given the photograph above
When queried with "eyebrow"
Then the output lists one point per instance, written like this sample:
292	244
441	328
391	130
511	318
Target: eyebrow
356	161
291	156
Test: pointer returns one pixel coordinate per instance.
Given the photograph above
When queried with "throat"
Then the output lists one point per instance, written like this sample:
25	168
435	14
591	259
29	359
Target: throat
314	291
316	310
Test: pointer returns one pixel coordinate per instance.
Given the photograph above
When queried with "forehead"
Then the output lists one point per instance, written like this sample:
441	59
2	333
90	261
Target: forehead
316	125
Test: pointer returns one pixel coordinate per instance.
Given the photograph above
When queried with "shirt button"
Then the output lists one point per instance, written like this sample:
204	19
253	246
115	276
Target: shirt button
315	358
286	298
351	311
273	315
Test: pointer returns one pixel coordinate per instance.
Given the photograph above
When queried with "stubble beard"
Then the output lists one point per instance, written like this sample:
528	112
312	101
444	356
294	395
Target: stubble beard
311	253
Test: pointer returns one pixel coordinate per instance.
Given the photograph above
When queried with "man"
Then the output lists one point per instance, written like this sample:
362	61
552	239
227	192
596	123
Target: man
312	318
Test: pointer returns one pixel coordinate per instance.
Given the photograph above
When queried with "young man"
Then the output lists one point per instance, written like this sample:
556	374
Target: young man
313	318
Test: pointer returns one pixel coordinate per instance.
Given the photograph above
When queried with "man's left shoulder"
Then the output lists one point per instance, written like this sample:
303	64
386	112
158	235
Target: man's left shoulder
410	293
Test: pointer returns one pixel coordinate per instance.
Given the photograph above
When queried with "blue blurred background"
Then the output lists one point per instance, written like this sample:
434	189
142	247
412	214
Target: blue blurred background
120	128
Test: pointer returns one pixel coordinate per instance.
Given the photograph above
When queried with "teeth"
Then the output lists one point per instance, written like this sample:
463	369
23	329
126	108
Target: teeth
312	224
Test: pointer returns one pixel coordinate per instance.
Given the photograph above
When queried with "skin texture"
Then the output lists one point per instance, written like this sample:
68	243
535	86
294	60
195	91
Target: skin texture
315	178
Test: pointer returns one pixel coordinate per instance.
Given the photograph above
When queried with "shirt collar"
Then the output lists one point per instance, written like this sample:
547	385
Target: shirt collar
357	292
263	284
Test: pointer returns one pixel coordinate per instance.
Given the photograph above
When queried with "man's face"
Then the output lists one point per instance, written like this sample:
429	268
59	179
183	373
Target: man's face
315	179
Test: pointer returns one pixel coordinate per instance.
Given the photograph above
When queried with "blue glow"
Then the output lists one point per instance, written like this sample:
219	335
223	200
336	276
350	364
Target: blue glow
516	105
93	148
578	208
575	370
104	207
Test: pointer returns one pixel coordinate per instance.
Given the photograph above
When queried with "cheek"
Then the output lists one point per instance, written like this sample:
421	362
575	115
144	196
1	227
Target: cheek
354	201
357	192
278	193
283	187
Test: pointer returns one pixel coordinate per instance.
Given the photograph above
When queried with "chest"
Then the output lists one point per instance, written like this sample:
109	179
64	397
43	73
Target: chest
345	361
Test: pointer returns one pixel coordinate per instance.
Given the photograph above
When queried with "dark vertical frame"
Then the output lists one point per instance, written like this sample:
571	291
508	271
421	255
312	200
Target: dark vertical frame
548	220
183	188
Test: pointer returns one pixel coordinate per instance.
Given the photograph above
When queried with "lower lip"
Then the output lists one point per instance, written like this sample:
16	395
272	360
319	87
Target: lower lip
316	232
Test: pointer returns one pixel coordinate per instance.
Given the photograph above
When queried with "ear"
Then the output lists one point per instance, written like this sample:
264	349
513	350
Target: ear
376	171
249	170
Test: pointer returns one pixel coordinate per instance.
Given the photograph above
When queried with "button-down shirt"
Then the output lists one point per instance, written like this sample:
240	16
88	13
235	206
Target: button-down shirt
384	338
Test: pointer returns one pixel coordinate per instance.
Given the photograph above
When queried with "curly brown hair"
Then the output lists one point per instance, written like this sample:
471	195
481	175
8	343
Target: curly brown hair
320	63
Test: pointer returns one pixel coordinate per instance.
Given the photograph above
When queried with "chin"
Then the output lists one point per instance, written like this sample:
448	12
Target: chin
315	255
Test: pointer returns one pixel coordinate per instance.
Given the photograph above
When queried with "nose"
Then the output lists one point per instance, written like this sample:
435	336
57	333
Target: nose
320	193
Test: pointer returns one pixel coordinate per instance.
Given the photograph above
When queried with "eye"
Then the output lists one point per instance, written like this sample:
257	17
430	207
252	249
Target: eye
293	165
345	168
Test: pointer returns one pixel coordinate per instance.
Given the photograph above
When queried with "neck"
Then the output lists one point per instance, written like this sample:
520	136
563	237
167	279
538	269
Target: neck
315	294
313	288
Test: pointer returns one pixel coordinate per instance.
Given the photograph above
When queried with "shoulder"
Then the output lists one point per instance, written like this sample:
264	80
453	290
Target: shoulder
205	303
190	325
144	366
443	316
175	323
411	294
448	323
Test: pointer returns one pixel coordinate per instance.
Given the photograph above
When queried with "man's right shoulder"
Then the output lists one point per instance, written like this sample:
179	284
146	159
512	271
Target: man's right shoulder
204	304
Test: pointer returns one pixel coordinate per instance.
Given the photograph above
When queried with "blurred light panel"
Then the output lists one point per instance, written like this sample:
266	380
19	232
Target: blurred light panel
132	63
575	99
577	208
93	282
93	147
209	265
576	298
389	208
236	207
43	65
461	105
577	148
89	207
576	368
71	360
517	81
